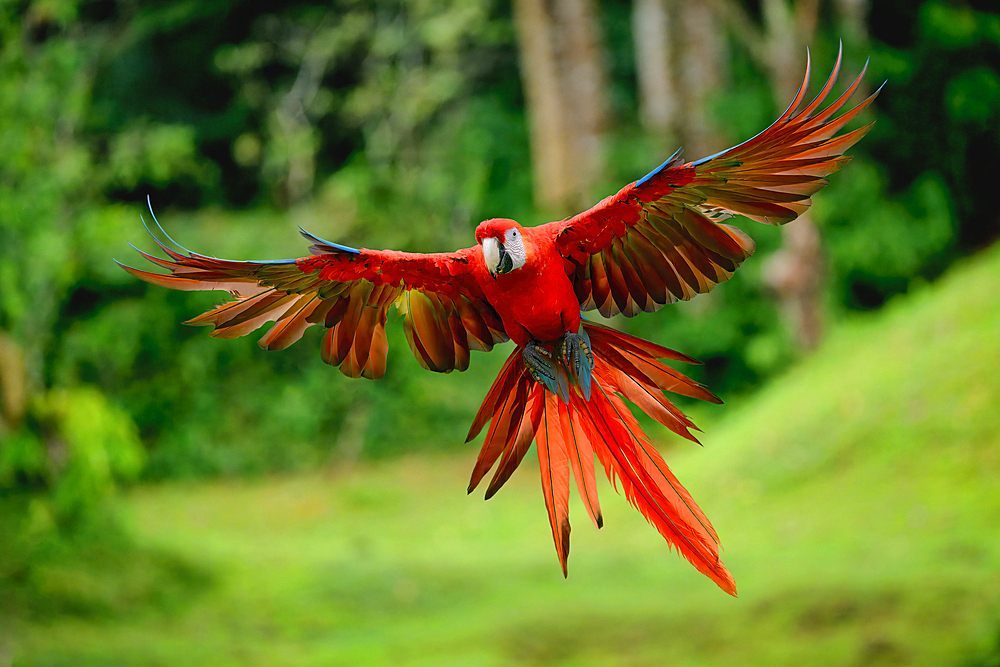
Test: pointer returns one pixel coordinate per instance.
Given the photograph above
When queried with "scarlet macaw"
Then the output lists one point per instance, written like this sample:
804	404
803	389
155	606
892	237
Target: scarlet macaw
658	240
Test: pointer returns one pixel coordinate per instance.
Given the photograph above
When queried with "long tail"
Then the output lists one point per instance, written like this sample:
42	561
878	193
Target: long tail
569	435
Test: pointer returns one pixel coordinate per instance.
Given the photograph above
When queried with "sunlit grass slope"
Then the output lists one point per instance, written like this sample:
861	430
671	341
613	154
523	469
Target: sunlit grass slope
858	499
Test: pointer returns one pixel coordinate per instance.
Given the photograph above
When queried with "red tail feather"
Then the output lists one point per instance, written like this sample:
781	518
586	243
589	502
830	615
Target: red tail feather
523	435
554	463
569	435
581	457
507	410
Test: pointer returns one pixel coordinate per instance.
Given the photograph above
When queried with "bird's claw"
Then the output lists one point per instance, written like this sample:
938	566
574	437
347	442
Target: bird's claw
574	350
544	368
572	363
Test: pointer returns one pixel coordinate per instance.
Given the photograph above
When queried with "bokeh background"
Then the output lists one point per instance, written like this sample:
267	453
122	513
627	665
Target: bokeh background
167	498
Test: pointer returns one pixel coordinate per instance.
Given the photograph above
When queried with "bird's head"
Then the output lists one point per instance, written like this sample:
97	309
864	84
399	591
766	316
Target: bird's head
502	241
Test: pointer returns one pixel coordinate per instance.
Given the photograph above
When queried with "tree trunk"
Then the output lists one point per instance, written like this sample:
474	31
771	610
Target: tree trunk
562	70
658	95
853	19
796	271
13	384
701	72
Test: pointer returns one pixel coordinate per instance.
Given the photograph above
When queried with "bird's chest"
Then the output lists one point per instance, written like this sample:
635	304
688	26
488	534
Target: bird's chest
539	297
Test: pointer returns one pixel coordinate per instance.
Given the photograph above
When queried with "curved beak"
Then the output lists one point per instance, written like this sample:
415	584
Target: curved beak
495	256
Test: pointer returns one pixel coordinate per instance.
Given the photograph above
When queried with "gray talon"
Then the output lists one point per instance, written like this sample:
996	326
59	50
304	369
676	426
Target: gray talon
539	362
544	368
574	349
572	363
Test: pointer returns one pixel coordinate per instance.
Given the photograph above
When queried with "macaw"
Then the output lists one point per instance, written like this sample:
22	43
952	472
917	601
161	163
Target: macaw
659	240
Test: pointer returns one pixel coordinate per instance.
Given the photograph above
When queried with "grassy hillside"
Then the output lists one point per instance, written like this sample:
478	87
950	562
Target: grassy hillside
858	499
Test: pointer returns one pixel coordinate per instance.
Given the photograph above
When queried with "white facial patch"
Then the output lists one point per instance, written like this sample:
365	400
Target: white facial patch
513	243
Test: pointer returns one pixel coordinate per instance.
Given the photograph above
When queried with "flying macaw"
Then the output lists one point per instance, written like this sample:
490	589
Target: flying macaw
659	240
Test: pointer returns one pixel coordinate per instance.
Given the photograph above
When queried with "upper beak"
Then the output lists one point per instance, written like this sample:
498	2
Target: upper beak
493	254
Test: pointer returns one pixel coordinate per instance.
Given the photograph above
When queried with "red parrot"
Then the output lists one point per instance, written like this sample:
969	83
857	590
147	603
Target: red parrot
659	240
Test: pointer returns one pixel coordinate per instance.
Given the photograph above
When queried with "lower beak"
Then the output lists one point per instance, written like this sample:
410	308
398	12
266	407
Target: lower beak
503	263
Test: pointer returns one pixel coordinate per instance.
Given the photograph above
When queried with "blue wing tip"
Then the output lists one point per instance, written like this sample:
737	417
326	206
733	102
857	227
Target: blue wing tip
190	252
666	162
331	244
149	205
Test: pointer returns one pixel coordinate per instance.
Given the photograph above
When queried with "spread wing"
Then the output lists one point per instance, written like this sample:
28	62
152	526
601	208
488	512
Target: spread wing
661	239
349	292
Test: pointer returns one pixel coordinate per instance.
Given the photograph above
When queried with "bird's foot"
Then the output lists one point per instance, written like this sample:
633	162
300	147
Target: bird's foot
546	369
574	351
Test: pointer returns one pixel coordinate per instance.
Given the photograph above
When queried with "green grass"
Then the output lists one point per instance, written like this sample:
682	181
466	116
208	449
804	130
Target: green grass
858	499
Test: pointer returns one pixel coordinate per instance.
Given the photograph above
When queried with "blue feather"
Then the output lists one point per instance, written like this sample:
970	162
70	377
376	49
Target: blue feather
670	159
192	253
316	239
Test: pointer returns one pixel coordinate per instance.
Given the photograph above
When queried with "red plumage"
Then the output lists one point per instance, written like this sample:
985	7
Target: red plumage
569	434
658	240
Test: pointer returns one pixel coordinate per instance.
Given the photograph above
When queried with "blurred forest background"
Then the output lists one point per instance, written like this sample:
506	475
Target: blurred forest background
401	124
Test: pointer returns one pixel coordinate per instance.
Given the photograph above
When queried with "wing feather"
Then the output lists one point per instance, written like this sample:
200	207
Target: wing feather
661	238
349	292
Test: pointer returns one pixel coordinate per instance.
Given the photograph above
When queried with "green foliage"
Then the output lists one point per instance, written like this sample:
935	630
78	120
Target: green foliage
956	26
940	111
157	154
91	445
973	96
877	246
77	446
74	445
989	656
95	572
44	91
